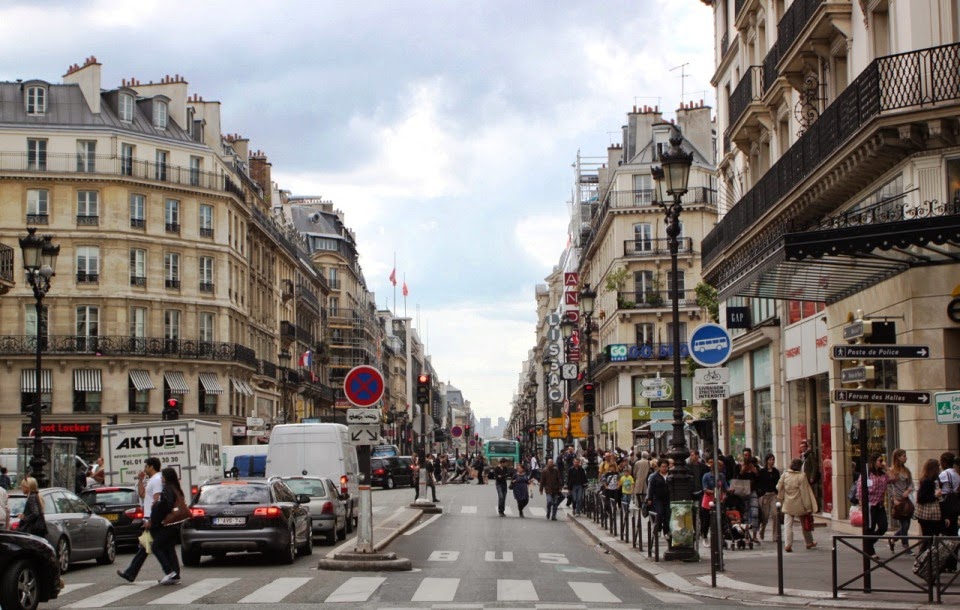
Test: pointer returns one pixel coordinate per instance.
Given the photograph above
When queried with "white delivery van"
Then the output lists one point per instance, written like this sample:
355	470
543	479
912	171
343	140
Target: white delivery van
318	450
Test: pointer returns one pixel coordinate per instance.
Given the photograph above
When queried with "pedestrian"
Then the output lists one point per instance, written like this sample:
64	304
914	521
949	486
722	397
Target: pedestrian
415	469
165	535
149	486
626	485
811	465
551	483
711	497
32	520
99	474
534	467
928	502
79	478
5	481
797	502
658	498
876	511
696	468
520	484
641	472
577	483
767	480
428	471
500	474
437	471
900	486
747	471
479	464
4	509
950	493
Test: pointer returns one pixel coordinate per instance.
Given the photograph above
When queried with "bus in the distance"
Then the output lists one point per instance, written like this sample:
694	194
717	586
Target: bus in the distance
502	448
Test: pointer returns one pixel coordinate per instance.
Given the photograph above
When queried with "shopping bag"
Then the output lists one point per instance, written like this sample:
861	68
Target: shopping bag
856	517
146	540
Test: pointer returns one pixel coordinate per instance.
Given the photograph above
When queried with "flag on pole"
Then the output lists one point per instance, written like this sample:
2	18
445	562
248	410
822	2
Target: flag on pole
306	359
405	291
393	276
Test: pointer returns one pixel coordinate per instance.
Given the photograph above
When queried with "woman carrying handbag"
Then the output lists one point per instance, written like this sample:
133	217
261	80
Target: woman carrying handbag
901	507
165	518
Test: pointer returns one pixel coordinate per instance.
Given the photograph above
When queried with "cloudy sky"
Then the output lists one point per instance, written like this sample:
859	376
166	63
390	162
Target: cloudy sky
445	130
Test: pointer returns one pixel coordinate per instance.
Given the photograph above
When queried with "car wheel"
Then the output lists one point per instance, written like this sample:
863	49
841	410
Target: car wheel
307	548
349	525
189	557
109	550
288	554
63	555
21	587
389	483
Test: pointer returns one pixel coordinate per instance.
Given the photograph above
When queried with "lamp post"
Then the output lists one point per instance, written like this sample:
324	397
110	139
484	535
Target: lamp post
536	422
675	175
587	300
566	327
283	357
39	262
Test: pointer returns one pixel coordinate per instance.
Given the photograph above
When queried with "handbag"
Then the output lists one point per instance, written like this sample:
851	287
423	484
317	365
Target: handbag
856	517
806	522
740	487
903	510
180	512
146	541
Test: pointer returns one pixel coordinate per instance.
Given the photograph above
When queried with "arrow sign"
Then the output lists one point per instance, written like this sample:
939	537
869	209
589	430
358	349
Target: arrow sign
878	352
653	382
887	397
364	435
856	373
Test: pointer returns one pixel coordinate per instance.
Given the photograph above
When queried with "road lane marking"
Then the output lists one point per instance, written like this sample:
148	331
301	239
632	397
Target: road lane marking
516	591
192	593
593	592
444	556
492	556
357	589
436	590
67	589
423	525
669	597
537	511
275	591
468	510
553	558
112	595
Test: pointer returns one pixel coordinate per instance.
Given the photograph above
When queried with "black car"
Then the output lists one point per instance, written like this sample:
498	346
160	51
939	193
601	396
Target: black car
121	507
29	571
388	472
247	515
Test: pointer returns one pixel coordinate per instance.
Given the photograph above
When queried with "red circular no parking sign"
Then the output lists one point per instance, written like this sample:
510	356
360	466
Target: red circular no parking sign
363	386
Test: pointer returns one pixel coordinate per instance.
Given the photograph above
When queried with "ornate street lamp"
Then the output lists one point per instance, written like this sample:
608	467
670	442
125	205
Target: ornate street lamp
587	301
39	263
674	176
566	327
283	358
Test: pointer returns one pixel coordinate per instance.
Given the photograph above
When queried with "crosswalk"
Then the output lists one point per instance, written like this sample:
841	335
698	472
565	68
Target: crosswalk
355	589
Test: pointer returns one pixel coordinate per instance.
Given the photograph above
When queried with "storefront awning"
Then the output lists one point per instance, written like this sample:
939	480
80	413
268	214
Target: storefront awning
87	380
177	382
242	387
28	381
210	383
141	380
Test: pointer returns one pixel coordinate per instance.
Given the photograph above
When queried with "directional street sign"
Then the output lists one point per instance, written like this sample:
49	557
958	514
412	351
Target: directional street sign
710	344
878	352
254	422
854	331
856	374
653	382
363	386
363	416
948	407
662	392
887	397
713	391
364	435
715	374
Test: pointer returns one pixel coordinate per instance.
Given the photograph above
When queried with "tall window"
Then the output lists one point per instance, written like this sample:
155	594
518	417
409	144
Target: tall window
643	237
334	278
88	207
138	211
126	159
138	267
171	269
196	166
88	327
171	324
644	286
30	324
645	333
88	264
642	189
334	305
138	322
36	154
126	107
681	287
171	214
86	155
206	220
161	169
206	274
683	332
206	326
38	206
36	100
159	114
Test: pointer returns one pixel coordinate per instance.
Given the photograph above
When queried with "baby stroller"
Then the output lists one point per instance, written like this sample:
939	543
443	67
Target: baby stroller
735	530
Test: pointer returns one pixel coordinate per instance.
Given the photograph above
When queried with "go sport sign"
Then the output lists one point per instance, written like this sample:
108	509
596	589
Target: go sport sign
621	352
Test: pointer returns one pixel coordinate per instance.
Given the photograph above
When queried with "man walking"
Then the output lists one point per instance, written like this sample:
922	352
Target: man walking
500	474
641	472
576	483
148	490
550	481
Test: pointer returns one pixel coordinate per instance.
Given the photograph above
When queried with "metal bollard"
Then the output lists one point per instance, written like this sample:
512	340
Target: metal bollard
714	551
778	534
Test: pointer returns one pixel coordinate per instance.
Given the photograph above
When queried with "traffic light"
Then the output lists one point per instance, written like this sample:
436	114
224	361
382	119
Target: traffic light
171	411
423	390
589	398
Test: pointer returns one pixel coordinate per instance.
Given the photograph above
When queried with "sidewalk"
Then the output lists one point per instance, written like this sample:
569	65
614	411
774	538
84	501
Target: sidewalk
750	576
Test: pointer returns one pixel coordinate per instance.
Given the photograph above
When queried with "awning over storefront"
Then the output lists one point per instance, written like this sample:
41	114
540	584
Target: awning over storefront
28	381
141	380
87	380
210	383
242	387
177	382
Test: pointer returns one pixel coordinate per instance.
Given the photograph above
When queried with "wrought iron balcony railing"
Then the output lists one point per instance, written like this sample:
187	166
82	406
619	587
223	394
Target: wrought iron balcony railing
749	89
206	287
659	246
139	281
172	227
84	277
132	347
87	220
138	223
652	299
793	21
172	284
38	219
618	200
206	232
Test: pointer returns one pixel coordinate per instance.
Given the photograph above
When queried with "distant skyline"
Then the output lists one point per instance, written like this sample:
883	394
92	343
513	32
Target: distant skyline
444	131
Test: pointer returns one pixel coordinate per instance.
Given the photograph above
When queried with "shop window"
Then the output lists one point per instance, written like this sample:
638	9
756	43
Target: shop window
736	425
762	423
28	398
138	400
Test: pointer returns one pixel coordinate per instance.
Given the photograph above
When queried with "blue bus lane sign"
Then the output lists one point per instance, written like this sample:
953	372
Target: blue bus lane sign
710	344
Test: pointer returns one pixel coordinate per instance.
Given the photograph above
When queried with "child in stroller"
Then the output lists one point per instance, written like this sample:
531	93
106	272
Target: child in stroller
735	530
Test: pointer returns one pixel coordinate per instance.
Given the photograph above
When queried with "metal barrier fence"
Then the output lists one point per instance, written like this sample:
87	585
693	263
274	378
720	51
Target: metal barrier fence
934	556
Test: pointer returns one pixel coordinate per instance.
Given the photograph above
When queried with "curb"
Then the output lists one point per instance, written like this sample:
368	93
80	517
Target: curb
379	546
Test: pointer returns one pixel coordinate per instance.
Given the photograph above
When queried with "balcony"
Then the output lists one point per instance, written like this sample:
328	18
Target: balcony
38	219
132	347
336	284
748	93
639	352
654	299
138	223
267	369
171	284
306	296
206	232
206	287
87	221
172	227
288	331
84	277
660	246
139	281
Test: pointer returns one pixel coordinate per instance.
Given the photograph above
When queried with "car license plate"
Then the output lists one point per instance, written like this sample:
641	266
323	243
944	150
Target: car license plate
110	516
229	520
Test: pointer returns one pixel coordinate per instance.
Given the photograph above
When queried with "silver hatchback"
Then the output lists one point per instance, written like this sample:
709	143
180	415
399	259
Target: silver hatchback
328	514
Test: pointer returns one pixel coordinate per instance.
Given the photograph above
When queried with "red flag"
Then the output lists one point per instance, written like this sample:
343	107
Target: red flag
393	276
405	291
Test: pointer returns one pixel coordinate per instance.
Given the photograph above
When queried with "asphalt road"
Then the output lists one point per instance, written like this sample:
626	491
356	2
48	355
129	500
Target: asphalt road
466	557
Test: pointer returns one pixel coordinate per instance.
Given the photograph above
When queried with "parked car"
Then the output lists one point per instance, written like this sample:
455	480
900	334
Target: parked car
74	531
388	472
246	515
121	507
407	461
328	514
29	571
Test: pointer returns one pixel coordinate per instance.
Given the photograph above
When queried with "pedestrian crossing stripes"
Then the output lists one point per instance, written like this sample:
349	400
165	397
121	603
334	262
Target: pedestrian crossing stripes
356	589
